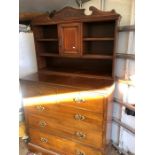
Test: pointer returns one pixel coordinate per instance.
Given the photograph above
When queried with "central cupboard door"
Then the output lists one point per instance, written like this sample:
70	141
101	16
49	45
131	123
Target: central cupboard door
70	39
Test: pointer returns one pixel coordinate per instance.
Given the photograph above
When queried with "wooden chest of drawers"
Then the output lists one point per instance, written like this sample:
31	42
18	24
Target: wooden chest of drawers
67	103
66	120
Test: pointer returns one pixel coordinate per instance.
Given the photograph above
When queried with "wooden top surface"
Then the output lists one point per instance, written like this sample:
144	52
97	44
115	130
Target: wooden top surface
68	14
81	83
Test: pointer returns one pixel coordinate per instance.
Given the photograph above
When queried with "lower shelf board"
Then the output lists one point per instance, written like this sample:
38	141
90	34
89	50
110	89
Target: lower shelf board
71	72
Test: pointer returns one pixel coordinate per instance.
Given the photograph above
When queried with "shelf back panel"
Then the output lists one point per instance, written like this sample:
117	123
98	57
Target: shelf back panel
98	47
48	47
77	65
99	29
45	32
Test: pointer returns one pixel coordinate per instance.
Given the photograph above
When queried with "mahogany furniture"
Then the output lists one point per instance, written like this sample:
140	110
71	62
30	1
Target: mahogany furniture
67	103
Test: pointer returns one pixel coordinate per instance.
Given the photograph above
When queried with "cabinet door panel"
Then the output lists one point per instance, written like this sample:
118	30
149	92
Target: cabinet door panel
70	38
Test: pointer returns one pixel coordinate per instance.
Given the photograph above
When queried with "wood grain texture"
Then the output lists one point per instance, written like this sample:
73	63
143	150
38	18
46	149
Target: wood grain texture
36	149
58	117
57	143
70	38
39	150
71	83
62	112
69	128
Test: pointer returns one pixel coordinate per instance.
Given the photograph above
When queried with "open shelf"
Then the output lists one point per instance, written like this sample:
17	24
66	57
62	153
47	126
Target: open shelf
95	56
98	39
86	56
73	73
54	54
46	31
48	47
50	39
98	47
99	29
84	67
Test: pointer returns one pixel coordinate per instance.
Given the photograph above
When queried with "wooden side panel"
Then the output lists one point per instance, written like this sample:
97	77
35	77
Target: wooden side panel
109	119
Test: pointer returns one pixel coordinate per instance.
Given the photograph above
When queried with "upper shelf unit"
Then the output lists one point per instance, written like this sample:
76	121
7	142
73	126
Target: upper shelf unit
73	38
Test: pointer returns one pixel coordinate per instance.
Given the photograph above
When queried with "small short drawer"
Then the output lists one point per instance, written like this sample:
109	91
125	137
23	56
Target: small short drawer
84	100
83	132
59	144
34	89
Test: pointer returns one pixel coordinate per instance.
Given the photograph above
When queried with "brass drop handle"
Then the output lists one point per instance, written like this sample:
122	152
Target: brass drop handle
40	108
78	100
79	117
43	140
80	134
78	152
42	124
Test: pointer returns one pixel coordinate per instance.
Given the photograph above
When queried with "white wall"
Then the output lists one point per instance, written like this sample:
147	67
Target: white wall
27	56
123	7
27	60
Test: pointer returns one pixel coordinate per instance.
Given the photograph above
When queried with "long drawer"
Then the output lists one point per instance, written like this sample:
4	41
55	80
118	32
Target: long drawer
38	93
76	130
67	147
83	99
61	112
90	102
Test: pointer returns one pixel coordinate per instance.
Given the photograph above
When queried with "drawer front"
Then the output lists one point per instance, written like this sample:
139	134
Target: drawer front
84	100
37	93
51	142
41	151
61	112
77	131
32	89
